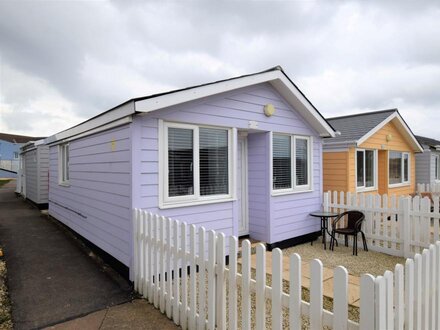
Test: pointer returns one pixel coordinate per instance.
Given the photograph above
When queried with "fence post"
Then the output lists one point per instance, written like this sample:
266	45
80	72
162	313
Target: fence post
380	303
406	225
367	308
326	201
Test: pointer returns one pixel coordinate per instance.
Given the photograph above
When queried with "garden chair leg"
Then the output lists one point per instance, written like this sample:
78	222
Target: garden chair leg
364	241
355	245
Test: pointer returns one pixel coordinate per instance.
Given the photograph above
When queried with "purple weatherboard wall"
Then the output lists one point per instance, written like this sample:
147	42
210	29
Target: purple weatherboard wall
234	110
116	170
97	202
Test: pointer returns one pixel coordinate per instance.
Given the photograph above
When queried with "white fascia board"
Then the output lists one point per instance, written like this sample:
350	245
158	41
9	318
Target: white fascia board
303	106
377	128
171	99
276	78
116	123
91	124
409	135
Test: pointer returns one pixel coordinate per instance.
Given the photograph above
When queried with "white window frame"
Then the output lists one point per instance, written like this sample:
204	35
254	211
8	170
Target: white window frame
63	165
375	169
437	168
402	166
295	188
165	201
15	156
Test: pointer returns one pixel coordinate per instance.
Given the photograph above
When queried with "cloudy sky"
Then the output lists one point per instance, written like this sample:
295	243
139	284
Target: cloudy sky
62	62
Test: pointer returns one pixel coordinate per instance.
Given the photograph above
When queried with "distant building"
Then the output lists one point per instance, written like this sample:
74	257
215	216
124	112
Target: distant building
9	153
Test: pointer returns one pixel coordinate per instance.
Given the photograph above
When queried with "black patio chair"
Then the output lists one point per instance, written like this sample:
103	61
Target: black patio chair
353	228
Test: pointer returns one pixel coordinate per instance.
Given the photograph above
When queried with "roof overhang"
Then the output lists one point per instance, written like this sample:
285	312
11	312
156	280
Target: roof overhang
277	78
123	113
397	119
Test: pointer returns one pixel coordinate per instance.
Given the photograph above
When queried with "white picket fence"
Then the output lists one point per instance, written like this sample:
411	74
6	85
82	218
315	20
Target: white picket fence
429	188
409	298
182	271
400	226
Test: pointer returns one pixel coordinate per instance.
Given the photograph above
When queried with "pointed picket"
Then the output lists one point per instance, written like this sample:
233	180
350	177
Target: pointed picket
260	302
245	284
232	299
201	283
295	292
277	288
316	290
340	301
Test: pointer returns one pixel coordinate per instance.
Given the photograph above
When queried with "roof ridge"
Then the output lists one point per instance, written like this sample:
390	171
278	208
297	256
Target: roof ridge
363	114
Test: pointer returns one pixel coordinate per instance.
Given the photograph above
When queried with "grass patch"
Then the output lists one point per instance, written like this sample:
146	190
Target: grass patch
4	181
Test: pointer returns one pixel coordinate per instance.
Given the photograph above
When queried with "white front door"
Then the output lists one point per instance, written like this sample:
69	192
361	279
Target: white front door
242	185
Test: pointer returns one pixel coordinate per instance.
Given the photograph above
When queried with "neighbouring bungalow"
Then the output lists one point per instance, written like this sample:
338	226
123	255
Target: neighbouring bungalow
33	173
9	153
428	162
375	153
241	156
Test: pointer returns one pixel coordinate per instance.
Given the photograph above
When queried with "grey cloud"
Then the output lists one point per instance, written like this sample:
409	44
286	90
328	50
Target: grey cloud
98	54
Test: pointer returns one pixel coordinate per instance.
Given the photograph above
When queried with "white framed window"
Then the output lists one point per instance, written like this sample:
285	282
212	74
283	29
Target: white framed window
291	163
398	168
63	164
15	155
366	169
436	168
197	164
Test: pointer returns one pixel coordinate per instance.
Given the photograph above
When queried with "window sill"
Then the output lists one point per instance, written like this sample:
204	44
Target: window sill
398	185
64	184
290	192
173	205
361	190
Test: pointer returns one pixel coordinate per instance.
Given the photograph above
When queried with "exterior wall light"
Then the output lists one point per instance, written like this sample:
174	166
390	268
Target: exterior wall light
269	110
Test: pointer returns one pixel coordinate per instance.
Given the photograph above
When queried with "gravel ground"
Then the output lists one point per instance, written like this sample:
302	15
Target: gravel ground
370	262
5	307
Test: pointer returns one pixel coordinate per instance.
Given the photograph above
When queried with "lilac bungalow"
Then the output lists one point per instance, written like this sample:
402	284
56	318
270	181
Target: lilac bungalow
242	156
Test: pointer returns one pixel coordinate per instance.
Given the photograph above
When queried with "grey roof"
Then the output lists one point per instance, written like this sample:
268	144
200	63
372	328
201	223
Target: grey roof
354	127
428	142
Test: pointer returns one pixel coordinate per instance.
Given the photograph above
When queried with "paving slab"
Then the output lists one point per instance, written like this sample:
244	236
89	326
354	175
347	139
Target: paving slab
137	314
327	277
50	278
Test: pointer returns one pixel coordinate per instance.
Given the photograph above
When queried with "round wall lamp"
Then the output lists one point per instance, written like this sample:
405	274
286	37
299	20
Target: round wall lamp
269	109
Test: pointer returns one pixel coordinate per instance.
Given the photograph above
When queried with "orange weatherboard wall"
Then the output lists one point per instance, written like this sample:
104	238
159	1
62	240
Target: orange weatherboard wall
340	178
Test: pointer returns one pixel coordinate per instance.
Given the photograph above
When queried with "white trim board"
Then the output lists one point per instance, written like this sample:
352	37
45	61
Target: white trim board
276	78
401	123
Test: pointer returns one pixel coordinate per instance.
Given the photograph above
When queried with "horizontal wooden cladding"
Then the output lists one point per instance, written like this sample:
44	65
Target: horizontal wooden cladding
397	142
335	170
99	189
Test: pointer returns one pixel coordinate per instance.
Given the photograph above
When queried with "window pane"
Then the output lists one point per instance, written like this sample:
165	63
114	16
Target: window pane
180	162
405	167
395	167
360	168
436	167
282	162
301	162
66	174
369	168
213	155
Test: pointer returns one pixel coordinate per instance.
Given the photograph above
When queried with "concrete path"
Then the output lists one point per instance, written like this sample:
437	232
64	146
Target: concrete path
137	314
51	279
